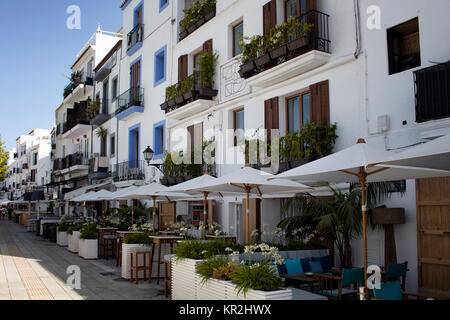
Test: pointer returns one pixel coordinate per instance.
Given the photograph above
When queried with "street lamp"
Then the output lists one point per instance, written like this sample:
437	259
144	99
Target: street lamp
148	154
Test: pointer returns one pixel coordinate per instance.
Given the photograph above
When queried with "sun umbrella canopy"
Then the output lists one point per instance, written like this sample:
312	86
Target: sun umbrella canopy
83	197
121	192
434	154
154	191
247	176
345	165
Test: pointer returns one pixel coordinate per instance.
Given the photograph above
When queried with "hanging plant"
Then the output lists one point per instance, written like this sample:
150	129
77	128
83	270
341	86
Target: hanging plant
208	62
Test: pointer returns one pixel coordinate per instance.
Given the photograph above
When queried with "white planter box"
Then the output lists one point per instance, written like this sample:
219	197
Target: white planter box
185	280
126	263
88	248
72	241
61	239
212	289
231	291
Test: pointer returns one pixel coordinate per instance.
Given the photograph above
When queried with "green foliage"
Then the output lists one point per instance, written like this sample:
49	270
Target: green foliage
89	232
4	155
206	268
257	277
208	63
93	109
101	132
74	228
64	226
279	35
140	238
171	92
199	249
194	13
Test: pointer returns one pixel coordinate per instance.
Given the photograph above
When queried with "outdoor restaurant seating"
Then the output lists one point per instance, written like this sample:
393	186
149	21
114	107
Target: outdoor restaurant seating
146	265
339	287
397	272
393	291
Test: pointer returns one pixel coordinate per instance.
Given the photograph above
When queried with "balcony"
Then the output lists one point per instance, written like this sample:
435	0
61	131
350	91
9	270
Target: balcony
196	18
98	112
431	91
130	102
303	51
187	98
74	162
98	168
78	122
77	81
106	69
134	39
129	171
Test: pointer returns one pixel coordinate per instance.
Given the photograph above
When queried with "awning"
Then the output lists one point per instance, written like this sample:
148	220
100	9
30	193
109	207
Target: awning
72	194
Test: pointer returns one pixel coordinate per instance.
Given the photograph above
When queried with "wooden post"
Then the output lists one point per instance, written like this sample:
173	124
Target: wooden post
103	213
362	179
205	203
247	212
154	212
132	212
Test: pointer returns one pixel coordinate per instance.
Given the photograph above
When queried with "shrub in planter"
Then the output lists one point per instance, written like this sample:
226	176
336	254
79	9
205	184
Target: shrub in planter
88	243
256	277
134	243
61	235
198	249
219	267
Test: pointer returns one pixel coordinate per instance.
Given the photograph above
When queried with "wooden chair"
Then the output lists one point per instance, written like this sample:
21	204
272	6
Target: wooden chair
167	278
337	287
396	272
146	267
119	252
393	291
109	246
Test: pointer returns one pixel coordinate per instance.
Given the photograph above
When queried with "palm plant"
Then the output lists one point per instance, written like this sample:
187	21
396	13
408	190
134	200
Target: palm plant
339	219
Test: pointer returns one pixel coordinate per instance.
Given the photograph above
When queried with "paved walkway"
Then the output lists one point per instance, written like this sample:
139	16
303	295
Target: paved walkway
32	268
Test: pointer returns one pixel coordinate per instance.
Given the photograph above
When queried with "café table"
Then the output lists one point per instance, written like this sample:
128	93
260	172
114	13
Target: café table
301	279
161	240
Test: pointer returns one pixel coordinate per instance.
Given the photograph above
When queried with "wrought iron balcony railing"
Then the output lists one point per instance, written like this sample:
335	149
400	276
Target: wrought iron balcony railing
129	170
135	36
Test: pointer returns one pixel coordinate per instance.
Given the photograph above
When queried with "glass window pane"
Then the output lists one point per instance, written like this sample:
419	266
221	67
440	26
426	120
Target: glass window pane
306	110
238	32
291	9
293	115
239	115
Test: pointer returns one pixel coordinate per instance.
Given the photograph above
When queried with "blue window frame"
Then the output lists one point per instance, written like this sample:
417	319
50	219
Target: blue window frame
134	138
159	131
159	75
163	4
139	7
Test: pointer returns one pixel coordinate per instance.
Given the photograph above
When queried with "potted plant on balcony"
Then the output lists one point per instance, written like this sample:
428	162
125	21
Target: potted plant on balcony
300	34
208	62
101	132
188	87
171	93
209	9
250	51
179	100
93	109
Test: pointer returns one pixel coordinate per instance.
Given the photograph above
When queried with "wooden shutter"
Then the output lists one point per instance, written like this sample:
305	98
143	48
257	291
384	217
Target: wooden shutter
167	213
269	16
135	75
320	103
208	46
271	116
182	67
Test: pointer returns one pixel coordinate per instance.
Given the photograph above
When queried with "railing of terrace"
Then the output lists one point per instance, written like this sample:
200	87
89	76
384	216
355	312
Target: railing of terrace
129	170
131	97
135	36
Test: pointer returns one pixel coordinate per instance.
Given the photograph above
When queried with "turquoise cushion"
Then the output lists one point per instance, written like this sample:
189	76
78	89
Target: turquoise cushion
293	266
324	261
397	270
305	264
352	276
316	266
389	291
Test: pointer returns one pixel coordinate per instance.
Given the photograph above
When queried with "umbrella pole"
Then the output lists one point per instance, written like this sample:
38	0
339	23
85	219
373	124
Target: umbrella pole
247	213
103	213
154	212
205	202
362	178
132	212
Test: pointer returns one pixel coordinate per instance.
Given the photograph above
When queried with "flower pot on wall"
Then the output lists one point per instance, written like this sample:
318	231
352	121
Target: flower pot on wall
171	180
179	180
278	52
171	102
164	181
246	69
88	248
73	241
210	15
189	95
192	28
61	239
200	22
208	93
164	105
183	34
179	100
283	166
297	163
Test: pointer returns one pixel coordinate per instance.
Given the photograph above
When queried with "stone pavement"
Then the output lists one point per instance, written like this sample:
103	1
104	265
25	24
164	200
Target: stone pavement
32	268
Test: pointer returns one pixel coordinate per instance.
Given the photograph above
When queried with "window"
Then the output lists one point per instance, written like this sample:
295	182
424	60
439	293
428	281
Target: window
238	33
295	8
404	46
238	126
163	4
158	139
160	66
298	112
112	145
114	89
35	159
138	15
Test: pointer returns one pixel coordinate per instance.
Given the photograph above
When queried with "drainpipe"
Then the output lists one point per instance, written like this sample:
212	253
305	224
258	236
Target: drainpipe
358	29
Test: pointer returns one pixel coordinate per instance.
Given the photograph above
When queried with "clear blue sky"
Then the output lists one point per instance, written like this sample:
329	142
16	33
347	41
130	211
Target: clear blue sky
36	54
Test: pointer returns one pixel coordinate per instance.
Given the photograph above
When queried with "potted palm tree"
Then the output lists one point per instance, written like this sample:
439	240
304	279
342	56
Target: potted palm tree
102	132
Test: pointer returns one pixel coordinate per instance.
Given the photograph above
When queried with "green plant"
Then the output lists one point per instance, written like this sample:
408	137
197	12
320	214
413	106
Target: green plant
64	226
195	12
208	63
257	277
73	228
89	232
102	132
93	109
251	49
224	272
198	249
140	238
171	92
206	268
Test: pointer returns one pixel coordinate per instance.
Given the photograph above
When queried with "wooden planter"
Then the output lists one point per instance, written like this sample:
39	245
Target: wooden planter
179	180
200	22
179	100
88	248
298	43
171	102
61	239
73	241
191	29
164	181
183	34
246	69
210	15
164	105
263	60
189	95
297	163
278	52
208	93
171	180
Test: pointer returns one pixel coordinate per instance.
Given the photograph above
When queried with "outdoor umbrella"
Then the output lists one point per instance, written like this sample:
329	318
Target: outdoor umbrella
357	164
434	154
119	194
102	195
155	191
187	187
37	196
248	180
